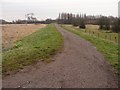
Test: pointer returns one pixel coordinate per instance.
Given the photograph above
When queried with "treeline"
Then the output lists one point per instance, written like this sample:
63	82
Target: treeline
47	21
104	22
4	22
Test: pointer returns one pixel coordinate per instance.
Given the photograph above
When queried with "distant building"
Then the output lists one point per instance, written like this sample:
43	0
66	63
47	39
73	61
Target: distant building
119	9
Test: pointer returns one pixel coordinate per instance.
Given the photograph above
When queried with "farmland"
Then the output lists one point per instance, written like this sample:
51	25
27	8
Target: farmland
78	61
13	32
38	46
59	44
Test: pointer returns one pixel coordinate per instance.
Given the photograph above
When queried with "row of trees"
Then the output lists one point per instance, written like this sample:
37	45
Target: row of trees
109	23
105	23
76	20
47	21
4	22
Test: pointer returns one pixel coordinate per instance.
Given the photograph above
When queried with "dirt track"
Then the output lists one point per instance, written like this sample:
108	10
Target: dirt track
79	65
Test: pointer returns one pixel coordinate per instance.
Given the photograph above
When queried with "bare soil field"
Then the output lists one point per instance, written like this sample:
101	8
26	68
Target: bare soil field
13	32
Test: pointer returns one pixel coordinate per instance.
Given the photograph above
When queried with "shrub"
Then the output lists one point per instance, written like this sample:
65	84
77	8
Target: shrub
82	24
104	23
116	26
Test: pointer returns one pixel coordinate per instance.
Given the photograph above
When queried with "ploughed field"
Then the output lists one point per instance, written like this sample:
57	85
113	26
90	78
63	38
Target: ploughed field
13	32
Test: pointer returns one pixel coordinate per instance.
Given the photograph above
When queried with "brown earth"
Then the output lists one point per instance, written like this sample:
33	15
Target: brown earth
13	32
79	65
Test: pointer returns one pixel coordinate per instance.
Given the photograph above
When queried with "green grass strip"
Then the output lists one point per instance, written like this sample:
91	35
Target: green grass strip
33	48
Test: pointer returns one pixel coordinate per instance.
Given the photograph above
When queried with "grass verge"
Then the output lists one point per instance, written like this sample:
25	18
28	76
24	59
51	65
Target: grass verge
103	34
33	48
108	49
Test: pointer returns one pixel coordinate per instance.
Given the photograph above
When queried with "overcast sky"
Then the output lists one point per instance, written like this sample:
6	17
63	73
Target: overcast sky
16	9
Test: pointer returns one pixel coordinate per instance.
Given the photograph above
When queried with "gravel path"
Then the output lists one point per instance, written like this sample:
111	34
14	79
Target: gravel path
79	65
